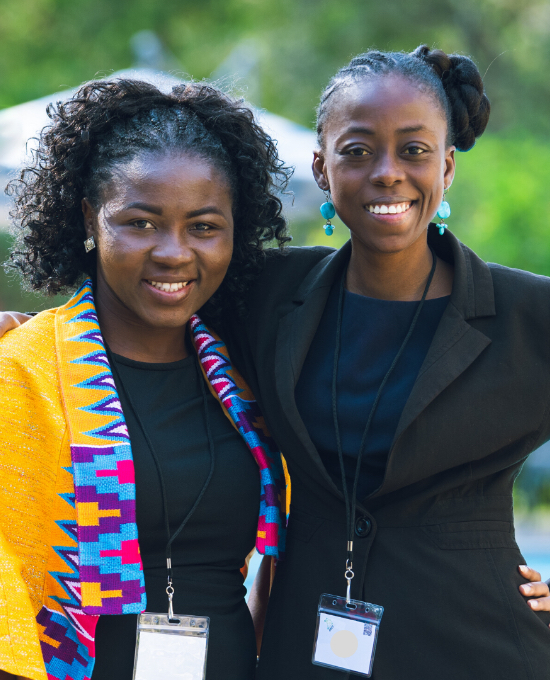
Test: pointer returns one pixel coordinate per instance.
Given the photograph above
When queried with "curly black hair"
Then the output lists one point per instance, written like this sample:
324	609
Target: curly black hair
453	80
109	122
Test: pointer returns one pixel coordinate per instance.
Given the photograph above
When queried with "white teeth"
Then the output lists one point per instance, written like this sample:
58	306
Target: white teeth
169	287
391	208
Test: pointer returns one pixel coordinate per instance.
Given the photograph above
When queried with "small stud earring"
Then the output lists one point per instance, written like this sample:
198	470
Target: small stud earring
89	244
328	211
443	212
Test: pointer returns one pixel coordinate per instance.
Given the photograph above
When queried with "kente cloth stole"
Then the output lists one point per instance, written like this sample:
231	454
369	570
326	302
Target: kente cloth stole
94	565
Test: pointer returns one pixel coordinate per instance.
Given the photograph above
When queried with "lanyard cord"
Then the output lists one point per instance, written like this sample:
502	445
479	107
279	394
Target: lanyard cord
171	538
350	507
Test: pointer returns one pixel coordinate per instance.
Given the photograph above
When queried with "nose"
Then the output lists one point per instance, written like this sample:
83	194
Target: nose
172	249
386	170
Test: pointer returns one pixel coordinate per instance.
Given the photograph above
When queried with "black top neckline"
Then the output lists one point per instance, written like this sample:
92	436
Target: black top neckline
357	296
149	366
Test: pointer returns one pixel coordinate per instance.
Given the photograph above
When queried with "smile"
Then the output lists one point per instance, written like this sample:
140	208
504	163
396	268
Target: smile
168	287
389	209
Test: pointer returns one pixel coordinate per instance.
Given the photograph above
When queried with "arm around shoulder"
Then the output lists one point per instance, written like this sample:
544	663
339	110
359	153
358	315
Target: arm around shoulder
11	320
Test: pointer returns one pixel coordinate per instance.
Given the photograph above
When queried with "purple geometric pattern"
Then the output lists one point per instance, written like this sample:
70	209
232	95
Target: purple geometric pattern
107	531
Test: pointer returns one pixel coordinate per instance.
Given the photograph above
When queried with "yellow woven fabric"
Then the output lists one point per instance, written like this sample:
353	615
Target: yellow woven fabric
36	479
32	440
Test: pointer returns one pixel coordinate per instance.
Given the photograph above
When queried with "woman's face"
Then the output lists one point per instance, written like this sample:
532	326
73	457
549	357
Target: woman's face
164	237
385	161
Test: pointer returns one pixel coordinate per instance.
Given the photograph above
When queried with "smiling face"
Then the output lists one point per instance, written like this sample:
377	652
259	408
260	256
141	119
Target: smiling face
164	235
385	161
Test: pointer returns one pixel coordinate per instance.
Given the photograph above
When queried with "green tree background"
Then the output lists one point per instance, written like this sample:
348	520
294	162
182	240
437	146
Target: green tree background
500	198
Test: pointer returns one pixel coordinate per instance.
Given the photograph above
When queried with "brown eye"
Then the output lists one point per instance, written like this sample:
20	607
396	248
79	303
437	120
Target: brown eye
414	151
142	224
358	152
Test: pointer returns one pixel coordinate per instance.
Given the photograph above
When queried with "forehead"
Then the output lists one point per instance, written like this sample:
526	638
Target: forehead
385	104
167	176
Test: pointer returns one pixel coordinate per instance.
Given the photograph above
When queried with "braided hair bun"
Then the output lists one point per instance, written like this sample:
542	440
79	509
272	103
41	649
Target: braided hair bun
463	85
454	81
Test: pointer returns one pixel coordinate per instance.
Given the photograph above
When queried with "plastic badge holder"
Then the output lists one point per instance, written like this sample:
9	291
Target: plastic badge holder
346	634
171	651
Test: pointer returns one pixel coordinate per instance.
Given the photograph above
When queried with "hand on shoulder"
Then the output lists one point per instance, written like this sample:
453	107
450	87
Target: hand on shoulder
11	320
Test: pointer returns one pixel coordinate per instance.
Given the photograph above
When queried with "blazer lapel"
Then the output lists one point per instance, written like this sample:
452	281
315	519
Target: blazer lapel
456	345
294	337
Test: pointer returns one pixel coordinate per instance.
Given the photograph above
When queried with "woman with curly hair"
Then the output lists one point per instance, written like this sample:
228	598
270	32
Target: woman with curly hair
134	461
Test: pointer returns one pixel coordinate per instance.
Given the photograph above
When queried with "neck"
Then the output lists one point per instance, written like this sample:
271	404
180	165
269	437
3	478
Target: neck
132	339
397	276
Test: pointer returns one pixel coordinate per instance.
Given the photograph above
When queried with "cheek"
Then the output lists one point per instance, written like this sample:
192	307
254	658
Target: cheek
223	255
116	257
215	258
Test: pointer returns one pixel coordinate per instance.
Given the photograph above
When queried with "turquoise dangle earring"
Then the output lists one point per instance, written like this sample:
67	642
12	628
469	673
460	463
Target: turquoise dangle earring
443	212
328	212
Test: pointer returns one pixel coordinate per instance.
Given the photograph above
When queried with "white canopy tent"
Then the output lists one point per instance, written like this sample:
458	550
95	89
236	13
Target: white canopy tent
19	124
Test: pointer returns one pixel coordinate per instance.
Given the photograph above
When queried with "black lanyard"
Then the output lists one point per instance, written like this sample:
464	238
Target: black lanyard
171	538
350	506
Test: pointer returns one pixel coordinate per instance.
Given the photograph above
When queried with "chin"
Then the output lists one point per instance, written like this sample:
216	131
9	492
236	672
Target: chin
390	244
168	321
381	242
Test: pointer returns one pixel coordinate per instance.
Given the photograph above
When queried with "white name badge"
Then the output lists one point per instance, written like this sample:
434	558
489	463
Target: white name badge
346	634
171	649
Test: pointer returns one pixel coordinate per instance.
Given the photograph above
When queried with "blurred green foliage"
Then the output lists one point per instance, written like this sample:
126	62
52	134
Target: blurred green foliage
12	295
48	45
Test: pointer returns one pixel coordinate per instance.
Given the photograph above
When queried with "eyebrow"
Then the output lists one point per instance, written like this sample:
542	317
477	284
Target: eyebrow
205	211
146	207
137	205
369	131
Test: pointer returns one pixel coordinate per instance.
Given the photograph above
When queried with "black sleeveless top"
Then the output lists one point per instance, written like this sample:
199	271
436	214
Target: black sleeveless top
208	554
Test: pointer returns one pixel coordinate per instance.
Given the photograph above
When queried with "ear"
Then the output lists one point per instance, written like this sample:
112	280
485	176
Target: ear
89	218
318	168
450	165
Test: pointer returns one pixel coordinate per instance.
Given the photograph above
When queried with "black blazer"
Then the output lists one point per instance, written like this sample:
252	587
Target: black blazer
437	549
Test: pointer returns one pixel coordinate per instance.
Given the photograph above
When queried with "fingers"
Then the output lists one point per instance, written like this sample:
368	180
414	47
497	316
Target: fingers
541	604
535	589
11	320
529	574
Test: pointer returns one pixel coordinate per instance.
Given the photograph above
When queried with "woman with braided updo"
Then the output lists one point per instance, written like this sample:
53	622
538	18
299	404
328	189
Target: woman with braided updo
406	374
135	469
406	381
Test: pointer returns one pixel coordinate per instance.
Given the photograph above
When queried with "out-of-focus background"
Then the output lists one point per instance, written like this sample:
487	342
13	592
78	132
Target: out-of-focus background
279	54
